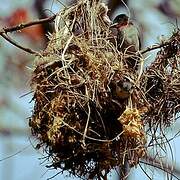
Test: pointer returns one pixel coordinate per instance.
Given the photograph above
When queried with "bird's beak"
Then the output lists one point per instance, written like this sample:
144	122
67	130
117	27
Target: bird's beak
114	25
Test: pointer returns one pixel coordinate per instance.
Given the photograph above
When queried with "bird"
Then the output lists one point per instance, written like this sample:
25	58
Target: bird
128	38
123	89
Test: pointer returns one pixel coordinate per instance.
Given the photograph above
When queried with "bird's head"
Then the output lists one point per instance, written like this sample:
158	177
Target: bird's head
120	20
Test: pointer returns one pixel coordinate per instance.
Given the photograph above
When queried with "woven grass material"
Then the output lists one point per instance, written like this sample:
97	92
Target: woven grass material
161	83
83	123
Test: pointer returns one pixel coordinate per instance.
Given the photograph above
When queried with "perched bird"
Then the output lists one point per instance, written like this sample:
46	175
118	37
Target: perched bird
128	39
123	89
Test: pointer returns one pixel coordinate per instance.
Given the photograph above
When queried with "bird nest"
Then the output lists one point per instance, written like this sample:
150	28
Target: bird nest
80	118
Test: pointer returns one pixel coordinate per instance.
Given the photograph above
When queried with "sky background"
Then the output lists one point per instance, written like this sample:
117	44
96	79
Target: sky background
15	139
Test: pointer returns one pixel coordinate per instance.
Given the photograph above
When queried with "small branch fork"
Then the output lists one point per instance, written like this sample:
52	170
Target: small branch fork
4	31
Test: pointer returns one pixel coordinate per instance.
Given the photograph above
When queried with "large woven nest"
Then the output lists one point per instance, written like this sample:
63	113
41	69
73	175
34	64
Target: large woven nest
84	124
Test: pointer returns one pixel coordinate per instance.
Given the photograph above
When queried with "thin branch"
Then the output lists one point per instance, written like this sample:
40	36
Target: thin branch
4	32
18	152
161	166
148	49
9	39
25	25
153	47
50	19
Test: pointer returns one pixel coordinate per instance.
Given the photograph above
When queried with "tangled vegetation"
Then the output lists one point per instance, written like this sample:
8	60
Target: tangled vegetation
80	118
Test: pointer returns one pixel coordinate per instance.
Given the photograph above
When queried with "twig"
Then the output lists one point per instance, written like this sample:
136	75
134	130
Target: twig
50	19
148	49
25	25
4	32
153	47
161	166
18	152
9	39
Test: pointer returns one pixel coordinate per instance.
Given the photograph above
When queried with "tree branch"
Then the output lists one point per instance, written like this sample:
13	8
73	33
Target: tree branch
153	47
25	25
148	49
4	32
9	39
161	166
